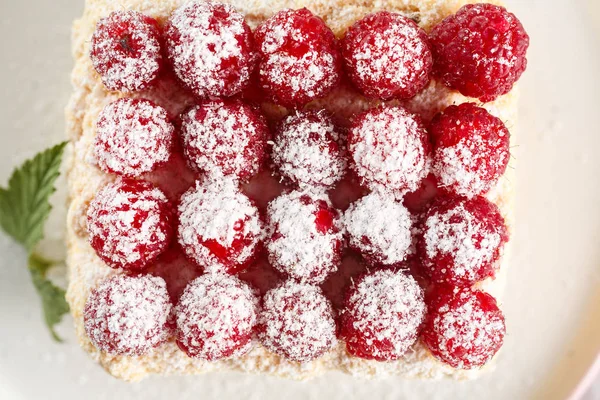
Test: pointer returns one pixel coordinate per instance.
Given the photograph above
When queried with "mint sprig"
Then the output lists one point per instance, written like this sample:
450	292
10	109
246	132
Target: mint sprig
24	209
53	297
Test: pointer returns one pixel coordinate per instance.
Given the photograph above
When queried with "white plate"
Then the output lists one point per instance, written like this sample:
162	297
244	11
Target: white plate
552	300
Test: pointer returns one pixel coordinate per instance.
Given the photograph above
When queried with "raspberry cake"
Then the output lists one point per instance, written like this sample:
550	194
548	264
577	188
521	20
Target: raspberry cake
292	187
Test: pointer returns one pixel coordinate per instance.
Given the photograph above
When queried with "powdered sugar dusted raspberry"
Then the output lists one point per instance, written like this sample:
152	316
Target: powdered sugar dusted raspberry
126	50
382	314
304	236
308	149
219	227
300	60
387	55
297	322
390	149
380	228
211	48
225	138
128	315
471	149
133	137
215	317
129	223
464	327
462	240
480	51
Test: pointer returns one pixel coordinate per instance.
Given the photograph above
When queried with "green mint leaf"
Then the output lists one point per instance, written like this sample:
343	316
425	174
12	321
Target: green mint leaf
53	297
24	209
24	206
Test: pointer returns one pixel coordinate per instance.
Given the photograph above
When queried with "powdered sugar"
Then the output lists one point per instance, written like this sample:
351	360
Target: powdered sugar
128	315
299	57
297	322
466	329
215	317
308	74
459	234
380	228
471	149
459	166
382	315
133	137
390	150
210	47
224	138
307	149
129	223
387	55
126	50
219	227
299	245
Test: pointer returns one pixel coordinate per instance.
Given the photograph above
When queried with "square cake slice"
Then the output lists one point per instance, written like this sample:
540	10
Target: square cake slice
85	179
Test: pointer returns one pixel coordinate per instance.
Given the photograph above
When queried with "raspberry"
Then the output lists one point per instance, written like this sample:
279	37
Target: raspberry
305	236
379	228
462	240
225	138
382	314
464	327
129	223
390	149
211	48
133	137
300	59
480	51
308	150
387	56
297	322
471	149
219	227
215	317
128	315
126	51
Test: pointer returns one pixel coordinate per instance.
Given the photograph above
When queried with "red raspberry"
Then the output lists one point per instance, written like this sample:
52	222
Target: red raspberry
219	227
215	317
308	150
390	149
382	314
480	51
211	48
129	223
128	315
300	59
133	137
379	228
225	138
126	51
462	240
471	149
464	327
305	236
297	322
387	56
